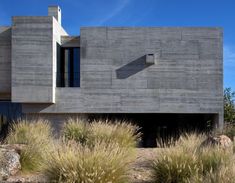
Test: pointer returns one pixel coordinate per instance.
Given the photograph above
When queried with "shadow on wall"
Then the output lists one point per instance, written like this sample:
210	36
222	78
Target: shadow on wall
132	68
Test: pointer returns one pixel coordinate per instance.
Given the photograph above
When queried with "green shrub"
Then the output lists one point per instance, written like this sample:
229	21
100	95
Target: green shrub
229	105
229	130
72	162
37	137
76	129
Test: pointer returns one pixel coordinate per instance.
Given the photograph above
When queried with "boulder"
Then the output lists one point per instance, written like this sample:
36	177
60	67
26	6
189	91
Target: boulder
221	140
224	141
9	163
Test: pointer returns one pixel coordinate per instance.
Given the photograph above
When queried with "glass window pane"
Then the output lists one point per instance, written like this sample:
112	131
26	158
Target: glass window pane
58	65
66	67
76	67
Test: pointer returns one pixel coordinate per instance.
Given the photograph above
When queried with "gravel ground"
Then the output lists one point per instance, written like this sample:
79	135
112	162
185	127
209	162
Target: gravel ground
140	170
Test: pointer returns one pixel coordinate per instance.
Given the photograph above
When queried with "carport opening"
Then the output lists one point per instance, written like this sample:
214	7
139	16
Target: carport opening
163	127
3	126
8	113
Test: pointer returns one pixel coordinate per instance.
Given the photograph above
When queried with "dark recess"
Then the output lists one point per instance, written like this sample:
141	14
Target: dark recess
8	113
163	126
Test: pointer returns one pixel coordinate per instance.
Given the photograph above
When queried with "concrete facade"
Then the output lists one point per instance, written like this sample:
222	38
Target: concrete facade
122	69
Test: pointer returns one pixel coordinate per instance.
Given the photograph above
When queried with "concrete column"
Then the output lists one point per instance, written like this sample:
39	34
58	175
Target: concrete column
219	121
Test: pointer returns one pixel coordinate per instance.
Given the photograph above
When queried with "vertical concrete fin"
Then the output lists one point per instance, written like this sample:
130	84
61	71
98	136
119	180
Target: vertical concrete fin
55	11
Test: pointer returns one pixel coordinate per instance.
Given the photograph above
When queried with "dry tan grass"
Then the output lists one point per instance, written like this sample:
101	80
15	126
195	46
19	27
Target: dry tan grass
37	135
73	162
186	162
120	132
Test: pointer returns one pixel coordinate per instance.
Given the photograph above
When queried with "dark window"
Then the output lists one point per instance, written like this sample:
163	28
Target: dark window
68	67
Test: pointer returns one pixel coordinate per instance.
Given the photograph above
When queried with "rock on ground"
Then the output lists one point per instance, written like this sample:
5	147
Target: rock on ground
221	140
9	163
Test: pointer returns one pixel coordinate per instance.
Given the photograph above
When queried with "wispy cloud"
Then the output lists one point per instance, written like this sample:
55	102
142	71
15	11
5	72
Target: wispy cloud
114	12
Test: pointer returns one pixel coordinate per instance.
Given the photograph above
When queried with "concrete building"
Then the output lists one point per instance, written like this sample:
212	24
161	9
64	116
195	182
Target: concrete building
111	70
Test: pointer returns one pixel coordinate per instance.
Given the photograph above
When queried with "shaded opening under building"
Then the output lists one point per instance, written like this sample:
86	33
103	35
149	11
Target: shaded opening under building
8	113
164	126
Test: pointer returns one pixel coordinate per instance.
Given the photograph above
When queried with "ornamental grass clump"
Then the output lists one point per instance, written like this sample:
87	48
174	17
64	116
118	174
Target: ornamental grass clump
76	129
37	137
187	161
226	174
120	132
190	142
173	165
211	159
73	162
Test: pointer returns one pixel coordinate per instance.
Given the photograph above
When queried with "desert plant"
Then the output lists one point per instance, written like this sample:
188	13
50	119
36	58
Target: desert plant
187	161
174	165
226	174
211	159
37	137
76	129
120	132
73	162
190	141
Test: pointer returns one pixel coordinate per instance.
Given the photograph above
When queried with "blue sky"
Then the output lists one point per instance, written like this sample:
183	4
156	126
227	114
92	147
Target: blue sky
77	13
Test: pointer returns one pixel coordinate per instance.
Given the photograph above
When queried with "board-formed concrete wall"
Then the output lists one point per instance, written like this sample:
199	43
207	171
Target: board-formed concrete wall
5	63
32	59
34	52
187	76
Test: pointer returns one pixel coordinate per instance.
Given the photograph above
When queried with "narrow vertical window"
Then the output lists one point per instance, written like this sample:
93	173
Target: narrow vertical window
68	68
76	67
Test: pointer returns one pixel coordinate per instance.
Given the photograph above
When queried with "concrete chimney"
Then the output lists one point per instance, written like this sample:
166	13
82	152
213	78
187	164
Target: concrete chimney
55	11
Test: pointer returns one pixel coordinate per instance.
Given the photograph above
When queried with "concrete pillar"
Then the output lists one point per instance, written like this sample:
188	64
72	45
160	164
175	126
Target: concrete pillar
219	121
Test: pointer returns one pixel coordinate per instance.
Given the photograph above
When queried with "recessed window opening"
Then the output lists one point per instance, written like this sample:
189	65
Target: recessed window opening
68	67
